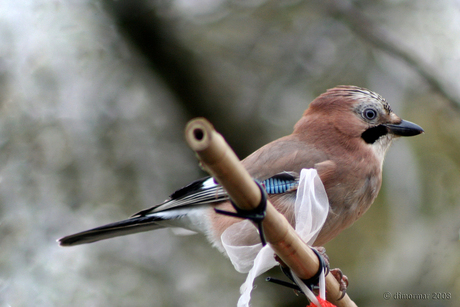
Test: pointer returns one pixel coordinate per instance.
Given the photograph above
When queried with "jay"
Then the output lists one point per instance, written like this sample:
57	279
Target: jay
343	134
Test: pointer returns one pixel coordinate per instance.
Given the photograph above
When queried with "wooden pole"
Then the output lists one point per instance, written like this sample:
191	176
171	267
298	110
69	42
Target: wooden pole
218	159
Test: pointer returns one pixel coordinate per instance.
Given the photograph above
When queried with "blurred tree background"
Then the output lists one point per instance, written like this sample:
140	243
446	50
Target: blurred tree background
94	96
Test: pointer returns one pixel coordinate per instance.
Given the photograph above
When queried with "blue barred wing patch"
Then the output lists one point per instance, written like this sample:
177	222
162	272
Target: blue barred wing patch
281	183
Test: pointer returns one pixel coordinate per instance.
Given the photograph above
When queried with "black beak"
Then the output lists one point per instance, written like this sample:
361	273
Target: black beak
404	128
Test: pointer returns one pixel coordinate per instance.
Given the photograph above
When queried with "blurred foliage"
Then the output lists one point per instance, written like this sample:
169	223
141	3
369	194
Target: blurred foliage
94	96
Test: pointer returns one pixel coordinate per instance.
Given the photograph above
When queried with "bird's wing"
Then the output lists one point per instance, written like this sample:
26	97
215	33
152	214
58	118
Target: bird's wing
206	191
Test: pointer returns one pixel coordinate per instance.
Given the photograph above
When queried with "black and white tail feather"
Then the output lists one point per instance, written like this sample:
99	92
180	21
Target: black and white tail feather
184	208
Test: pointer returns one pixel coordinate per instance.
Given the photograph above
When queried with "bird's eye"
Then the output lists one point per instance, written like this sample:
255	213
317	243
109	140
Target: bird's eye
370	114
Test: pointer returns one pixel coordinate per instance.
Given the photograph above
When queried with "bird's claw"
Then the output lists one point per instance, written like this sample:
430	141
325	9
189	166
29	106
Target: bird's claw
342	279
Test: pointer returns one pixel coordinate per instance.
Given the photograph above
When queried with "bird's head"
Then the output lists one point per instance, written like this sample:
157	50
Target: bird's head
355	117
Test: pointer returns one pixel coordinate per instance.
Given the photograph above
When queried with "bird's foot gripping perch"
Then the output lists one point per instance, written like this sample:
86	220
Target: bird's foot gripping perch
337	273
342	279
313	282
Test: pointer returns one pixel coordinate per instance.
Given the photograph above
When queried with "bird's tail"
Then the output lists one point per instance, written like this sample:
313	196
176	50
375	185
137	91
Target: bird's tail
121	228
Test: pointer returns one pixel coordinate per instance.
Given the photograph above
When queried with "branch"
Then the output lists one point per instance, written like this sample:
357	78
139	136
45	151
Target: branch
367	30
221	162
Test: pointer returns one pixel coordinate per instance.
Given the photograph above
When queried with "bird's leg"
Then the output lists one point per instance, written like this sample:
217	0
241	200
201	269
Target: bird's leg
337	273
